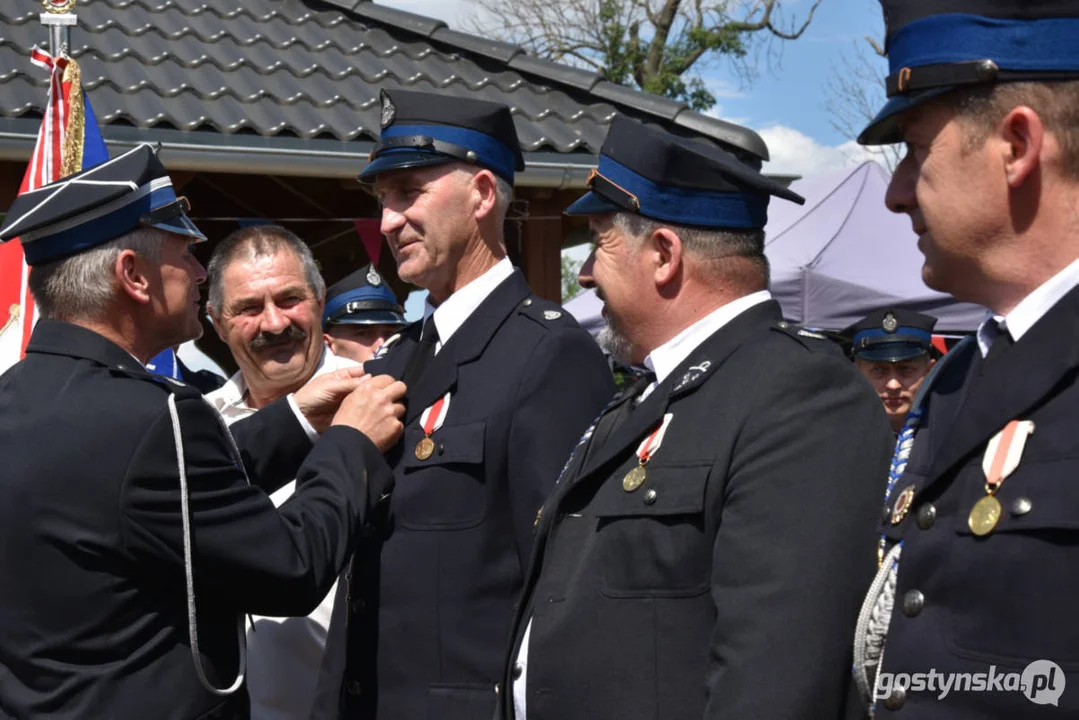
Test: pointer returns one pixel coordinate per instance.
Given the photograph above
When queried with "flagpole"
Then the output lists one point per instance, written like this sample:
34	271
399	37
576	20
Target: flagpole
58	18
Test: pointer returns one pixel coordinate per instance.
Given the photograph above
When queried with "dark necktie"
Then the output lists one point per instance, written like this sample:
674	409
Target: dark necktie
610	422
1002	340
421	356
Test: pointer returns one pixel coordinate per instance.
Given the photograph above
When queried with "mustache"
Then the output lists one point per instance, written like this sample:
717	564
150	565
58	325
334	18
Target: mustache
265	340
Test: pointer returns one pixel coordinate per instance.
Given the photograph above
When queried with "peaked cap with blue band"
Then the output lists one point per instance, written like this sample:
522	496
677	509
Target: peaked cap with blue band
892	335
362	298
648	171
935	46
97	205
421	129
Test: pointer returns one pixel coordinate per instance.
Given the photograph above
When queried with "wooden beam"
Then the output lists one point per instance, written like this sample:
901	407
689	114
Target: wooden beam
541	257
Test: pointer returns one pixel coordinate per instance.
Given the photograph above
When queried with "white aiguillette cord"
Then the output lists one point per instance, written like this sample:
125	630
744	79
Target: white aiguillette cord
192	622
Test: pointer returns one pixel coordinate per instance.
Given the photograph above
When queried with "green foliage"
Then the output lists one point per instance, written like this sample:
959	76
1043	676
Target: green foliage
570	287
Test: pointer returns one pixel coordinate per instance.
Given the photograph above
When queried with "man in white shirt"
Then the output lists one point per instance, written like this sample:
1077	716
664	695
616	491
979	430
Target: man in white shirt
701	554
266	297
980	528
501	384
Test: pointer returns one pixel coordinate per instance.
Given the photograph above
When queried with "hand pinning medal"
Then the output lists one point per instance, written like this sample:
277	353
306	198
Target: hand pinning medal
431	420
636	477
1001	458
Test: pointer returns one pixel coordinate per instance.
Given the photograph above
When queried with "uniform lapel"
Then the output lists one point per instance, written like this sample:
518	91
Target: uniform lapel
466	344
1011	386
397	355
685	379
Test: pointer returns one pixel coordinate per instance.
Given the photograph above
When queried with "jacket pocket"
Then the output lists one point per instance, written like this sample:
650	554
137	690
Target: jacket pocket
1015	588
461	701
652	542
447	490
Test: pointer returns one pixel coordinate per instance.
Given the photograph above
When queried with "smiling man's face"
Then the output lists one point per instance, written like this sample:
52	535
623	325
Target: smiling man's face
271	320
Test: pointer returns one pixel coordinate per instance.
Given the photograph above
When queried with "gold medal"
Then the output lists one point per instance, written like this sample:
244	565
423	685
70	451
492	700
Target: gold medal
984	516
634	478
425	448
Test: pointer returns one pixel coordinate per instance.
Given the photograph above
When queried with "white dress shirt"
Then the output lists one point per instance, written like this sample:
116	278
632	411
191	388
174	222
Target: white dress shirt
452	314
662	361
283	654
1033	307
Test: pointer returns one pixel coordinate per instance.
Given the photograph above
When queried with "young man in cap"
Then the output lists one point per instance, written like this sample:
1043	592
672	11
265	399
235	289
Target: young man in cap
134	534
361	314
700	554
266	301
981	515
892	348
501	384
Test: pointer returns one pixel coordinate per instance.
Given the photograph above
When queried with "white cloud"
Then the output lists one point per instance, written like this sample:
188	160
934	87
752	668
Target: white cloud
454	13
795	153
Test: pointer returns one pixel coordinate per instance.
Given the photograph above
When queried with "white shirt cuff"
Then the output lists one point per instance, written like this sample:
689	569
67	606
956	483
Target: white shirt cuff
312	433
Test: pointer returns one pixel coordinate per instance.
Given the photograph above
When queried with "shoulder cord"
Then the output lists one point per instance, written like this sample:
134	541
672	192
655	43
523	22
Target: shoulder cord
192	622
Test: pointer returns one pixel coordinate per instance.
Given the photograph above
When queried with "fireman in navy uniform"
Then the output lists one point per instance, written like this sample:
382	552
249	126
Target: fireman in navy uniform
700	554
131	539
893	349
430	594
361	313
979	530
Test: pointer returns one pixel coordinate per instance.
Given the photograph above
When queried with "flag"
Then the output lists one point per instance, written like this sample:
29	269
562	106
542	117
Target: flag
69	141
370	232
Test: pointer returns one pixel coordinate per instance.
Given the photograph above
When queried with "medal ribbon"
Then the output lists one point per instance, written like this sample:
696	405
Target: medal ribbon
648	447
1003	452
433	417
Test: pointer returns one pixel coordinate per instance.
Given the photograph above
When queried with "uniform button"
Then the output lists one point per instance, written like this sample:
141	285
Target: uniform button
527	302
1022	506
927	515
517	671
913	602
896	700
650	497
886	514
358	606
354	687
498	688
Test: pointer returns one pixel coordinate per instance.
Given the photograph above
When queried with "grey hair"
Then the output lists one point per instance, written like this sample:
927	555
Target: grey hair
259	241
81	286
706	244
503	198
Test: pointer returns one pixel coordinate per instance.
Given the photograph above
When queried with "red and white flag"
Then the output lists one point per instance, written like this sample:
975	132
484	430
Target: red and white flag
68	141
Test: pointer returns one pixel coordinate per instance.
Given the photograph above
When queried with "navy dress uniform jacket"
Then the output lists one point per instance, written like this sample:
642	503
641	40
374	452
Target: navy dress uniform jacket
93	613
964	603
727	584
433	585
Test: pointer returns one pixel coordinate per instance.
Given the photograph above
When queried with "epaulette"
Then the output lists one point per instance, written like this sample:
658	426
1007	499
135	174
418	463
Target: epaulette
180	389
802	335
543	312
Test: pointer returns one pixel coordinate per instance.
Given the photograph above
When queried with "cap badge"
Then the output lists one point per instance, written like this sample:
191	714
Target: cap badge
373	278
389	110
890	323
551	314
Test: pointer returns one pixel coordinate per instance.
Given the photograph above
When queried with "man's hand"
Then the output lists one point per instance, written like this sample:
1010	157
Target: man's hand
319	399
375	409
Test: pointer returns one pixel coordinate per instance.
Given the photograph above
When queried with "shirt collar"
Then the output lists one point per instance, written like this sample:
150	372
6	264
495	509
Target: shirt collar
229	399
1032	308
452	314
668	356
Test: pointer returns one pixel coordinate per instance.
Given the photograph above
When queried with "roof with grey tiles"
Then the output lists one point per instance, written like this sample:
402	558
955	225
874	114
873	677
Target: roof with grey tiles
310	70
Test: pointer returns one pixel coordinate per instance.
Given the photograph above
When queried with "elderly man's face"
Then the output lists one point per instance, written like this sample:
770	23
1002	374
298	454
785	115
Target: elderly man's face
428	218
357	342
270	319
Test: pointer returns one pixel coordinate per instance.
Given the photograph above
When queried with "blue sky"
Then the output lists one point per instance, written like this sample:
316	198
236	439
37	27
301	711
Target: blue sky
787	102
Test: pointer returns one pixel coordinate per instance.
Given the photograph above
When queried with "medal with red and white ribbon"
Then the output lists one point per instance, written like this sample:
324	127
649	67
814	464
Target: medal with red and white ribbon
1001	458
636	477
431	420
